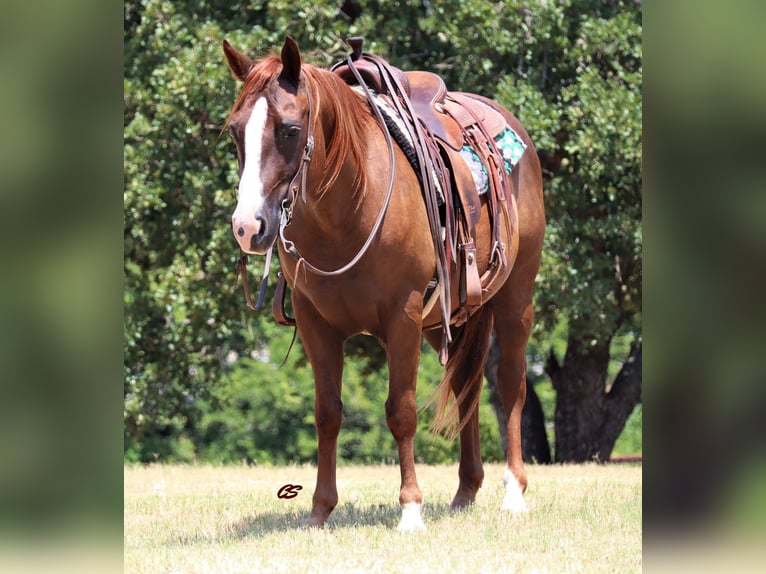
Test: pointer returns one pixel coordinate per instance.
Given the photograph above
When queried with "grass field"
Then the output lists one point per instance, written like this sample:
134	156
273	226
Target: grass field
203	519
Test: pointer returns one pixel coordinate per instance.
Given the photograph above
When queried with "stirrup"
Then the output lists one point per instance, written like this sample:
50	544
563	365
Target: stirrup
498	248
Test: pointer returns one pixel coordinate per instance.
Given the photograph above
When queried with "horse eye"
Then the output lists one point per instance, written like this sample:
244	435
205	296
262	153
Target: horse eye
292	130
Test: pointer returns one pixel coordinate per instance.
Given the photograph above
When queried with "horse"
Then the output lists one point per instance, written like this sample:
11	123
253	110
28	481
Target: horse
314	180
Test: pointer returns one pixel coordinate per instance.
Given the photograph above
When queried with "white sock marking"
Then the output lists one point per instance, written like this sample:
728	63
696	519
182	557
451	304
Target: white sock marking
514	498
411	518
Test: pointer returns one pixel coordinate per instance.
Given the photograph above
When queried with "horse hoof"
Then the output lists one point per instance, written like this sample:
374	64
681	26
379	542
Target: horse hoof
462	501
411	519
313	522
411	526
515	507
513	501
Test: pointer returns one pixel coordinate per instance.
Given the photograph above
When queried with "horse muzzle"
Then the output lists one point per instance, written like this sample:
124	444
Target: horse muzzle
254	233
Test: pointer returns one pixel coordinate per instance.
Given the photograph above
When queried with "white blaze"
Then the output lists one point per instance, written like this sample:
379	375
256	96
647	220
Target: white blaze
250	191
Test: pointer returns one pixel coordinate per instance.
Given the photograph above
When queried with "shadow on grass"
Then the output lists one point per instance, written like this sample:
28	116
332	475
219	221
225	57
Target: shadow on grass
352	514
347	515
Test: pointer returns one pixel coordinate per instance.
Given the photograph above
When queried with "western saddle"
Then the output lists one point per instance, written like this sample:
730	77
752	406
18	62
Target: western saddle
440	124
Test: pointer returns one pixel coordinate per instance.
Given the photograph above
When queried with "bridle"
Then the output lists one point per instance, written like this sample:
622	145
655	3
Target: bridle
288	204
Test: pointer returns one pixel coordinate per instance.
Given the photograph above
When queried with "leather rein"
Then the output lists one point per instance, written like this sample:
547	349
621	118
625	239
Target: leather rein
289	203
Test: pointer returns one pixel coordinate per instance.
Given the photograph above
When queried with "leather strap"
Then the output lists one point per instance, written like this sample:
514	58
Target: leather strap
278	304
426	160
242	273
499	188
470	283
288	204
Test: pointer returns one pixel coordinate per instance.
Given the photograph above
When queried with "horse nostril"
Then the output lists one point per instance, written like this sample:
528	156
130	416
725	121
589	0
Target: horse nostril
261	226
241	232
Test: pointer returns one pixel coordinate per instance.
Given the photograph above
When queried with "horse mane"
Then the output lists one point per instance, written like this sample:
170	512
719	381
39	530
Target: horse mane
348	136
350	118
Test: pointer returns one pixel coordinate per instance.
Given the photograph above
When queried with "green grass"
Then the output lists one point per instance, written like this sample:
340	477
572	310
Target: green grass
200	519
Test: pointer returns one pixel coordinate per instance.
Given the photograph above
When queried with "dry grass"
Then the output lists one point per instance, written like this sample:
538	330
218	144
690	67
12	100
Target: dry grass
199	519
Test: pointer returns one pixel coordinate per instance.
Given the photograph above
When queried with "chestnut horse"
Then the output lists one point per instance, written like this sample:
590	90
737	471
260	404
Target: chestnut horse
348	218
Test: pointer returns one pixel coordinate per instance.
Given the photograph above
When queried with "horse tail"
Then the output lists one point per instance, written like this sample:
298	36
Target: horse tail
464	374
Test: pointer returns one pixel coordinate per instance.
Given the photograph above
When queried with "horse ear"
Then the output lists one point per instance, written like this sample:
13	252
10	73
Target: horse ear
291	61
239	63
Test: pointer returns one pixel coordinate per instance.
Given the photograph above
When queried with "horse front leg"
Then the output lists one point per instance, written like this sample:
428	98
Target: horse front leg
324	348
403	353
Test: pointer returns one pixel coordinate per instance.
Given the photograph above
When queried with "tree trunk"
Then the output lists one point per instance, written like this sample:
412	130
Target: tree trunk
534	441
621	399
589	419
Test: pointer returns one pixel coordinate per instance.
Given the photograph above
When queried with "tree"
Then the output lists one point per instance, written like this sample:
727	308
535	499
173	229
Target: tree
586	117
598	231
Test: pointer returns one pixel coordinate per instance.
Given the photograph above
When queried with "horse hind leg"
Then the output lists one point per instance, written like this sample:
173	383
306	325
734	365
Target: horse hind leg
463	378
513	322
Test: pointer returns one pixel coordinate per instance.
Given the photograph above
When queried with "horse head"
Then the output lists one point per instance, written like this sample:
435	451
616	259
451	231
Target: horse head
270	126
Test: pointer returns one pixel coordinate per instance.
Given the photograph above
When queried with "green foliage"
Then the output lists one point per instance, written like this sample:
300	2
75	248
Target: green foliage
630	441
201	376
587	122
262	413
